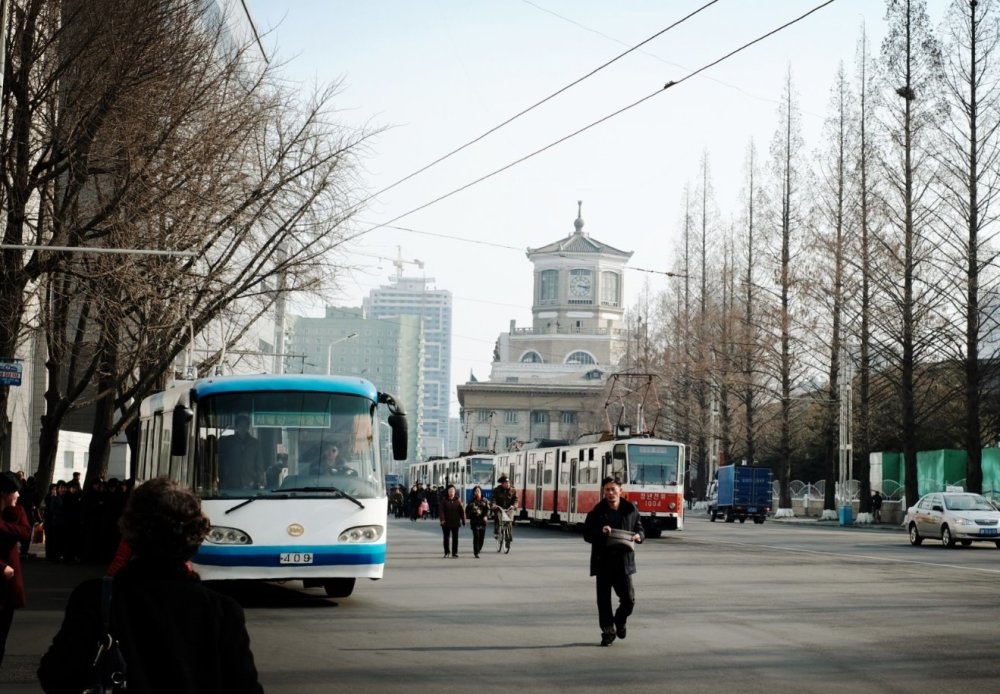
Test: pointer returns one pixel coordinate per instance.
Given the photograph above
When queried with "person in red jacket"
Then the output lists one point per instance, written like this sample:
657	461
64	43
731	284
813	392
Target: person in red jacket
14	529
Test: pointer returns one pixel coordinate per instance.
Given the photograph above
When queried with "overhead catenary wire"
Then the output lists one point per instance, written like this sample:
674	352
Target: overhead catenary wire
591	125
534	105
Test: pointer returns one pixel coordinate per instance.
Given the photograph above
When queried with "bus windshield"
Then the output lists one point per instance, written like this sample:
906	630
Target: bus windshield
653	464
256	444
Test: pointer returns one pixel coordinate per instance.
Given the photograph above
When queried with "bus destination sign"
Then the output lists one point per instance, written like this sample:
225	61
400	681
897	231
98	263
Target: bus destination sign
10	373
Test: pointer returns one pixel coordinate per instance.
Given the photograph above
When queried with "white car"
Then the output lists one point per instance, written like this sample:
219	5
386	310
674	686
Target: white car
953	517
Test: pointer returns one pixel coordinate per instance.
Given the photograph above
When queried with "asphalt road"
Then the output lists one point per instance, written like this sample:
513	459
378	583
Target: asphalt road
782	607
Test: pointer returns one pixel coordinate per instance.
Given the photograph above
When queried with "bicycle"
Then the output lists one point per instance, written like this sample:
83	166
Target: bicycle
505	528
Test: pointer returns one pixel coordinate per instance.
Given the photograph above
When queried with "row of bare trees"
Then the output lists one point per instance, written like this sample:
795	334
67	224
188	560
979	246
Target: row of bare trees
148	125
866	260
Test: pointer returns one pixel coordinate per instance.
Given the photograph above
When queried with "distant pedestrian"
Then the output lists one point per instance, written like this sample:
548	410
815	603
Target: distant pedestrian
611	562
176	635
14	529
452	517
476	512
877	506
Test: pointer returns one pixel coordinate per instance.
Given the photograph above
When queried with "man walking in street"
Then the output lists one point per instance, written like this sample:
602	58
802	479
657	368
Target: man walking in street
612	559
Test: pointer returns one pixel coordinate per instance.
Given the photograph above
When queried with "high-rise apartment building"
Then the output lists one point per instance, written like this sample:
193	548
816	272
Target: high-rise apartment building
415	296
388	352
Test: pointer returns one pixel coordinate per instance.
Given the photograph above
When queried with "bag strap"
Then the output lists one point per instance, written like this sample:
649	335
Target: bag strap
106	585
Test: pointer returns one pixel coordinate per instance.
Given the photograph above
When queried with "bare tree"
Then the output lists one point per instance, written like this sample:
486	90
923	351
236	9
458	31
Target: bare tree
970	161
787	173
911	59
164	136
829	288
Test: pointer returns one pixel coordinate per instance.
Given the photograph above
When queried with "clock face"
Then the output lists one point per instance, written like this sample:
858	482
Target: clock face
579	286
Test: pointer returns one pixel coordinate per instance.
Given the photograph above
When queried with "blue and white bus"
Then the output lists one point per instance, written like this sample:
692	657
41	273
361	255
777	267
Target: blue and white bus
288	469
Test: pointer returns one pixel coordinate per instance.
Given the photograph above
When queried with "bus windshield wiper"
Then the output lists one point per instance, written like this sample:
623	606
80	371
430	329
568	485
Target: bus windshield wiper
328	488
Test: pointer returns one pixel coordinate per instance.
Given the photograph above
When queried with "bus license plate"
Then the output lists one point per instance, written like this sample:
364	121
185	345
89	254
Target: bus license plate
295	558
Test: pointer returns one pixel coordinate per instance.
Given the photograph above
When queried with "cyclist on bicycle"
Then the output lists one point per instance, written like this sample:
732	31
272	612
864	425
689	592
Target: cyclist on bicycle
506	498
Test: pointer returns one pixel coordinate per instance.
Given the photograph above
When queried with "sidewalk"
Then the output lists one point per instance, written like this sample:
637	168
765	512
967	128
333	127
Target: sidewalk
48	586
834	523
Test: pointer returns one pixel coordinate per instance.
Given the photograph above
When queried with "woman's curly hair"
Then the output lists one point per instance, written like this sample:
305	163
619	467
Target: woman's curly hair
163	522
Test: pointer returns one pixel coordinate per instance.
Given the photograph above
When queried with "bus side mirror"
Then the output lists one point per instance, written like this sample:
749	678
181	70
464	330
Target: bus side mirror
399	435
397	422
179	430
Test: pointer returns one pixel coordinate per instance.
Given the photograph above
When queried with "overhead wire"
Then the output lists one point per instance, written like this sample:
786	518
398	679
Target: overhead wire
594	124
534	105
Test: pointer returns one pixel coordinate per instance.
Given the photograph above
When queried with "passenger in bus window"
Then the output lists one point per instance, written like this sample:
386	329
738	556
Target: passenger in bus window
241	464
612	560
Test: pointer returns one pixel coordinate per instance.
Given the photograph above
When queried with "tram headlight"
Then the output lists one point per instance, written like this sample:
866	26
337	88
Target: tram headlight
227	536
362	534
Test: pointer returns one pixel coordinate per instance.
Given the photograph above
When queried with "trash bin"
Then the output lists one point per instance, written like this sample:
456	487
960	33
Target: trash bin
846	515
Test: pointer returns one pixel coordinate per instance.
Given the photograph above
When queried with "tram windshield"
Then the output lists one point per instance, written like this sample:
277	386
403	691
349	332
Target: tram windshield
481	471
302	443
653	464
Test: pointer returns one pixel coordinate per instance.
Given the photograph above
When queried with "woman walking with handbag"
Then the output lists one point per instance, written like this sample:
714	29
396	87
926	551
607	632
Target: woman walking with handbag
175	634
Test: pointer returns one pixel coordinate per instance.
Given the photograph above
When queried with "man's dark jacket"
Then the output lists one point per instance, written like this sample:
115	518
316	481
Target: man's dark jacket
605	557
176	635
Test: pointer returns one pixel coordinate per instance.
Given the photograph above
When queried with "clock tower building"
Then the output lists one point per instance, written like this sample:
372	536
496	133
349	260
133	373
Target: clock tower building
547	380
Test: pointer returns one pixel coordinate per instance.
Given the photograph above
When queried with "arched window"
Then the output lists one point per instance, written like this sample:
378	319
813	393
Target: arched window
531	357
580	357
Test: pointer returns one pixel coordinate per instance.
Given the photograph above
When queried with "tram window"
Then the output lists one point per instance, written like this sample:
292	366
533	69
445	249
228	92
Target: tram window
564	475
531	476
547	478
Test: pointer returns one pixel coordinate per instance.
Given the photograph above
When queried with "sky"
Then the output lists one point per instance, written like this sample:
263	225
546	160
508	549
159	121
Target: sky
436	74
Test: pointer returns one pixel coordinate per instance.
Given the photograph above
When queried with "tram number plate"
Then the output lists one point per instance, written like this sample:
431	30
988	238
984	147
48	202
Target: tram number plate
295	558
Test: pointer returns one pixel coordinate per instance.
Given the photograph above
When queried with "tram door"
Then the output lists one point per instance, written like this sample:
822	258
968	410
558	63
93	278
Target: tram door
539	475
572	488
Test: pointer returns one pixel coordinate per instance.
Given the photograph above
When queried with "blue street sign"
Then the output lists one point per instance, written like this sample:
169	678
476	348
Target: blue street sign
10	373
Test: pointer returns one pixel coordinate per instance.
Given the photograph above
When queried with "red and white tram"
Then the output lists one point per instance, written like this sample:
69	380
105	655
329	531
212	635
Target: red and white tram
561	483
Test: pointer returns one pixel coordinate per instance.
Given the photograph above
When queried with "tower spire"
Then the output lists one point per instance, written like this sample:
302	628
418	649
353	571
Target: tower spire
578	224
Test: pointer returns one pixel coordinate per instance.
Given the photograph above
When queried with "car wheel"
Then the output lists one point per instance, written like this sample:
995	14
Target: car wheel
946	539
998	545
966	543
712	516
915	538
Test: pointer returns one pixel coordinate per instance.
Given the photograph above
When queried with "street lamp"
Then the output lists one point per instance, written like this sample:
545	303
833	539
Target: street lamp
329	349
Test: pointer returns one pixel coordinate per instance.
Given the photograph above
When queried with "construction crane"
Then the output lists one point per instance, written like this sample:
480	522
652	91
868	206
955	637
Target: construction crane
400	261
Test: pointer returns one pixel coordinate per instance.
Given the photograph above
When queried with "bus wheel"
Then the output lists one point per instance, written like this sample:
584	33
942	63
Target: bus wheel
338	587
653	531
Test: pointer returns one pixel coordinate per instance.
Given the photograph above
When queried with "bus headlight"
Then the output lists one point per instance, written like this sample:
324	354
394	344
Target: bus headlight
362	534
227	536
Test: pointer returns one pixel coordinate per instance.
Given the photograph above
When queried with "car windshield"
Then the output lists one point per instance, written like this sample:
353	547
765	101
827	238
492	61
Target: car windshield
967	502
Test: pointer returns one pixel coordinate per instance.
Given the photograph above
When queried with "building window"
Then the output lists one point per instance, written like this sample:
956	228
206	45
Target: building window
532	357
483	416
482	443
610	289
539	417
508	442
548	286
510	416
569	417
579	357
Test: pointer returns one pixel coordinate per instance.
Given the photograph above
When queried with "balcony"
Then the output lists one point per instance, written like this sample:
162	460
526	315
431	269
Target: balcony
566	330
